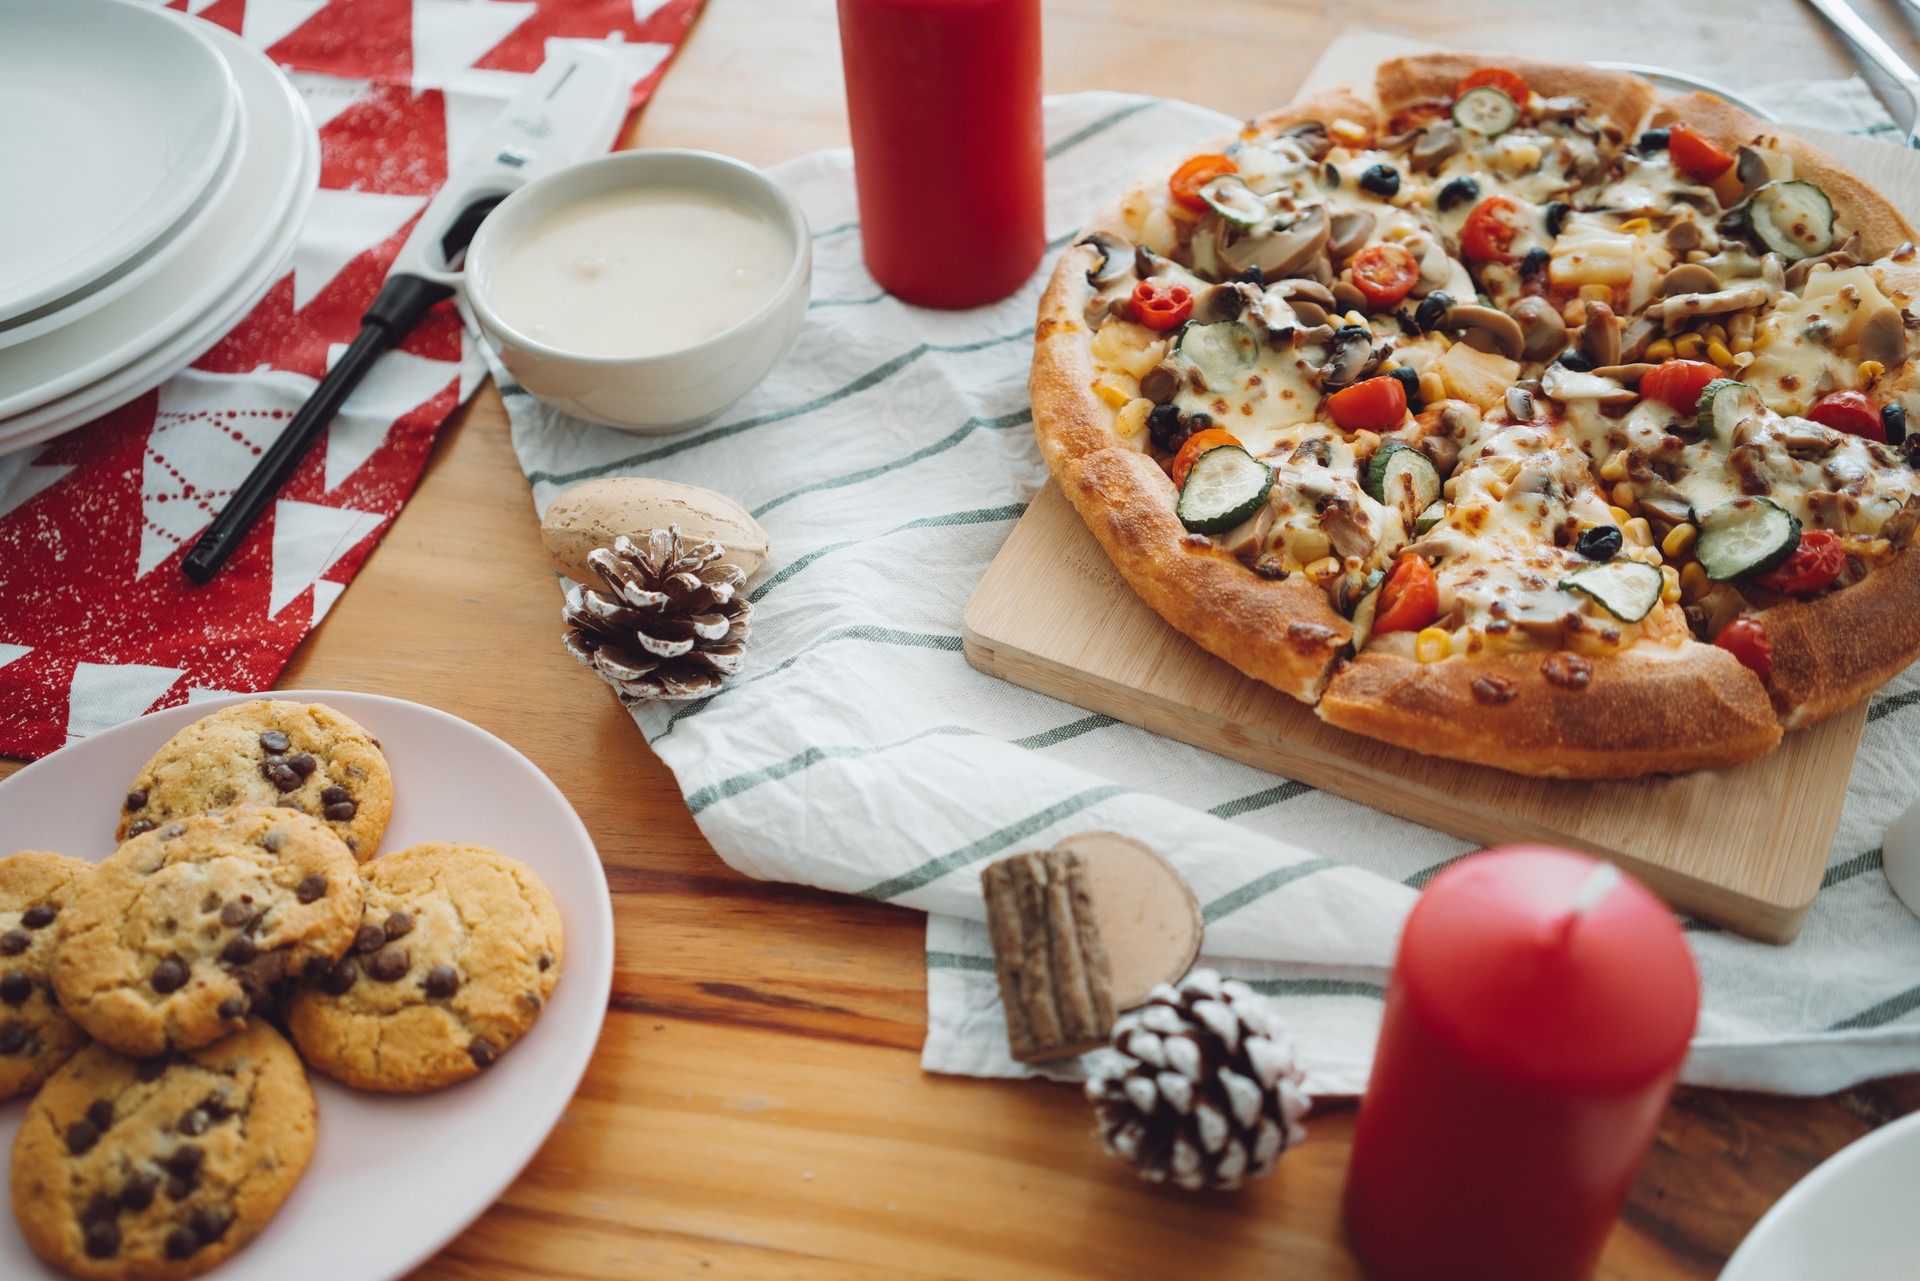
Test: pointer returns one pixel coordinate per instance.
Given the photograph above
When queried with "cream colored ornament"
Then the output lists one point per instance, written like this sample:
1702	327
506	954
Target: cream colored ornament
592	515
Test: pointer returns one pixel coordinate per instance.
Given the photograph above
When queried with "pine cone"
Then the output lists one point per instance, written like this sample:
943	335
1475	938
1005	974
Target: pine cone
669	625
1200	1087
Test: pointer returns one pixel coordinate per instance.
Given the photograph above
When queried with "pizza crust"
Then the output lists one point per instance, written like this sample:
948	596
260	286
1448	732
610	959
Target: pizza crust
1834	650
1405	82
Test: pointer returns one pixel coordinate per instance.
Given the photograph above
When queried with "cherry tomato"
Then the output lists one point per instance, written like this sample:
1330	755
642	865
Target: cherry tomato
1694	156
1746	640
1850	412
1409	598
1678	382
1384	274
1195	174
1814	565
1507	82
1197	444
1488	232
1378	404
1159	303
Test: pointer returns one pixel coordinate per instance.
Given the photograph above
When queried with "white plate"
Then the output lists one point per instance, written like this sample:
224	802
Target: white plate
1852	1219
117	117
278	169
393	1178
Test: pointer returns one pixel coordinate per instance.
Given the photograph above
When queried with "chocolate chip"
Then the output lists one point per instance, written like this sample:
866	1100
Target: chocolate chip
39	916
13	1037
399	925
208	1224
273	840
481	1051
14	941
215	1106
136	1193
169	976
532	999
81	1136
103	1239
139	827
340	813
442	981
353	843
181	1243
239	950
235	914
15	988
310	888
136	799
335	795
339	979
211	903
315	966
274	742
389	964
546	962
234	1007
280	774
100	1112
303	764
102	1206
179	1187
187	1159
194	1122
149	1070
370	938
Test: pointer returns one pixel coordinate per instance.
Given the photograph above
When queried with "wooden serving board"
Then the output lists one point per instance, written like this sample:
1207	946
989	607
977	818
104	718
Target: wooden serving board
1744	848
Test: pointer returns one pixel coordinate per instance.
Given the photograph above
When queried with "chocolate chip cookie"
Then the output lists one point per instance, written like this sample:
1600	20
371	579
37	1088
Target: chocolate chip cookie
157	1169
301	756
36	1036
457	953
186	930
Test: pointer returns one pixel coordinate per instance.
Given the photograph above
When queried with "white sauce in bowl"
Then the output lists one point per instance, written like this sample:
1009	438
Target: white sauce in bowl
639	272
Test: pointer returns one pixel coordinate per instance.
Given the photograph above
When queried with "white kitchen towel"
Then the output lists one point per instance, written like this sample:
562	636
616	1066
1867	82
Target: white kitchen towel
889	456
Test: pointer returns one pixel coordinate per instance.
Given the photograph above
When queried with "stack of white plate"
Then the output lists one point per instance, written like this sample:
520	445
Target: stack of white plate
156	171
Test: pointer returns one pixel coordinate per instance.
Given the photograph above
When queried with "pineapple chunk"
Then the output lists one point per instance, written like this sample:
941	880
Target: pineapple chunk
1479	377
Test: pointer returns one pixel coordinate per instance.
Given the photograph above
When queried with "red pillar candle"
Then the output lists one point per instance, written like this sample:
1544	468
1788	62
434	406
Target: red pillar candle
1539	1009
944	100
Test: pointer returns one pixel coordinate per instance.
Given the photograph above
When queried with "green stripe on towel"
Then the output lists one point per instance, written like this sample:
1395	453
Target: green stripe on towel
992	843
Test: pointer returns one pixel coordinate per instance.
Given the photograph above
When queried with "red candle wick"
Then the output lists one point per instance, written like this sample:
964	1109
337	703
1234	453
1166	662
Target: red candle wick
1602	881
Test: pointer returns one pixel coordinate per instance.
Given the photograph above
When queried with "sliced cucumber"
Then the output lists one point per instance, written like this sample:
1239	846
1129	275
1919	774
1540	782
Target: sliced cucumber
1220	352
1627	589
1486	111
1225	486
1231	198
1794	219
1745	537
1724	404
1426	520
1401	476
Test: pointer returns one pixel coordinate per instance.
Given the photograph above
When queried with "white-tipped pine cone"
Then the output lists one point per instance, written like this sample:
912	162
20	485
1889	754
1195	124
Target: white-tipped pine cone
670	624
1200	1088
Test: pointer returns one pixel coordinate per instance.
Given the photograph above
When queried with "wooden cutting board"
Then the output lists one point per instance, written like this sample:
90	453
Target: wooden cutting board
1744	848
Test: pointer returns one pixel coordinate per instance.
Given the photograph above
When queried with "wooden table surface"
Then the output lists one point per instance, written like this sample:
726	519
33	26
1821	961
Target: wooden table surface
778	1124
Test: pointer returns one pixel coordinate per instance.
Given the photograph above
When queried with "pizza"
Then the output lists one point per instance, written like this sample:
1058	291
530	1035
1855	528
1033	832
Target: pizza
1511	413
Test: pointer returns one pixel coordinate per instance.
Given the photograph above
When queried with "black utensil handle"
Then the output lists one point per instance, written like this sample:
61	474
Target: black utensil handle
402	301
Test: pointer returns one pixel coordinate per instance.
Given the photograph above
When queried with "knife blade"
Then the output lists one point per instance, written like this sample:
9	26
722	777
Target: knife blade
1880	53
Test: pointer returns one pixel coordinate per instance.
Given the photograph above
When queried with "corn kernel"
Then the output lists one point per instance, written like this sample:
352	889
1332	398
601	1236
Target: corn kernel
1615	468
1324	568
1111	391
1870	370
1624	495
1741	359
1679	540
1638	532
1878	547
1620	515
1132	421
1357	318
1740	332
1689	346
1347	132
1574	313
1596	293
1714	331
1432	390
1694	582
1669	584
1432	644
1635	224
1660	349
1717	352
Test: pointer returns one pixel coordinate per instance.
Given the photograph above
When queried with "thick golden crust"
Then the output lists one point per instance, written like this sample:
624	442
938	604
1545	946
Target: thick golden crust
1834	650
1882	227
1647	710
1403	82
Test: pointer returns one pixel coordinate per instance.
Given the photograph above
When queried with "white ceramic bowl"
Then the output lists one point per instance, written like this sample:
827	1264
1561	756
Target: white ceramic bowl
674	389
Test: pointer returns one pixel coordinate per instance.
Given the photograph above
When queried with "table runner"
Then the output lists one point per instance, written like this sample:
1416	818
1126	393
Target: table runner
97	623
888	457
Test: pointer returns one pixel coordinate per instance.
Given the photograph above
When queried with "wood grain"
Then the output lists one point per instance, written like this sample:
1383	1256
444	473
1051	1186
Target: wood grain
755	1108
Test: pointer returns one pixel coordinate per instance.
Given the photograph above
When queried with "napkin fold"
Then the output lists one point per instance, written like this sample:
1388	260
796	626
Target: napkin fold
889	456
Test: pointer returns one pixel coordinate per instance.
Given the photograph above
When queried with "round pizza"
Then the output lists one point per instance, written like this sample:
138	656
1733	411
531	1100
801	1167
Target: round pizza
1513	414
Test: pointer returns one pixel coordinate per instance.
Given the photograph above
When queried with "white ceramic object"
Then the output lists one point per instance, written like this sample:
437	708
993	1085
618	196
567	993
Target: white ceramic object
647	394
117	116
165	323
393	1177
1900	859
1850	1220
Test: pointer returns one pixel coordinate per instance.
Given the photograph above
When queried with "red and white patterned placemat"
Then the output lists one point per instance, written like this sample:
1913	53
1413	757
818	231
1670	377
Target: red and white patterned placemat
97	623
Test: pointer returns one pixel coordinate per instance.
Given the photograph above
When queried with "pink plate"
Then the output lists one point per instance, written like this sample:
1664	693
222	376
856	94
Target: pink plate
393	1178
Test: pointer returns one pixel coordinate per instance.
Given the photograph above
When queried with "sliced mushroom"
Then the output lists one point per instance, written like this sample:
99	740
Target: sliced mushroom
1485	329
1349	535
1626	375
1600	336
1350	231
1148	263
1899	527
1160	384
1520	404
1663	502
1350	357
1312	137
1311	313
1684	235
1224	301
1752	171
1347	296
1689	278
1116	259
1564	107
1542	330
1883	337
1847	255
1640	332
1313	449
1442	451
1677	309
1280	252
1434	148
1773	272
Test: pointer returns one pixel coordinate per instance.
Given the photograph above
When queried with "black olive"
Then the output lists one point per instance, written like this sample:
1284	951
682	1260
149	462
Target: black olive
1331	174
1342	335
1457	191
1893	418
1534	263
1602	542
1575	359
1382	180
1253	276
1163	425
1409	383
1432	310
1652	140
1557	212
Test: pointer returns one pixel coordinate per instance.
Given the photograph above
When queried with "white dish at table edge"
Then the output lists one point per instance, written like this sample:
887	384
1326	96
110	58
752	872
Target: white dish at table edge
393	1177
158	163
278	173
